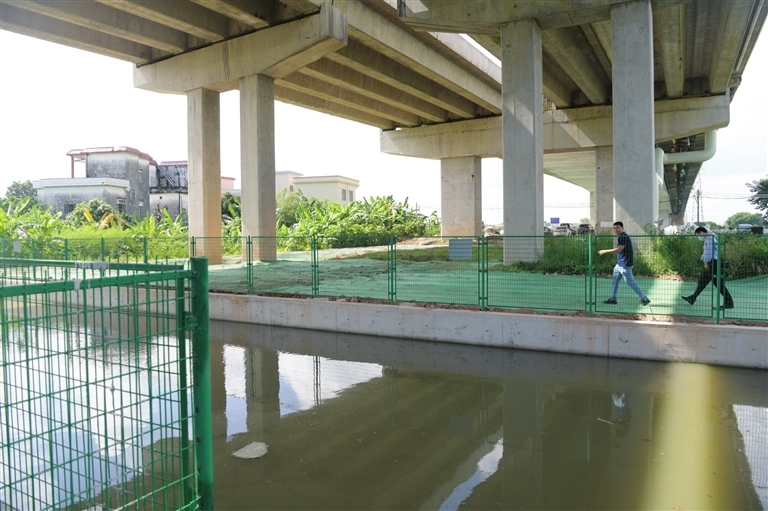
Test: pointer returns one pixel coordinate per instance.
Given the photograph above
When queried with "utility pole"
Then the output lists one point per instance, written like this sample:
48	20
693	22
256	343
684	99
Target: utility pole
698	206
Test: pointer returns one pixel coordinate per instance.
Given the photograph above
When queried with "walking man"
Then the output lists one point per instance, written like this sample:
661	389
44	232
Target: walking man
625	259
709	273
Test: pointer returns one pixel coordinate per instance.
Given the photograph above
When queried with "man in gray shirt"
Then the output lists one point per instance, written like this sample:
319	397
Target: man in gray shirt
709	273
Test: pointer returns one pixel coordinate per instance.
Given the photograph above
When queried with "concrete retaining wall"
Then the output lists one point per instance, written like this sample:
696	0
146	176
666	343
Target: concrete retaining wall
724	345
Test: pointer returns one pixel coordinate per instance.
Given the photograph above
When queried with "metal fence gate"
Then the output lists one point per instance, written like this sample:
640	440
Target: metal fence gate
104	386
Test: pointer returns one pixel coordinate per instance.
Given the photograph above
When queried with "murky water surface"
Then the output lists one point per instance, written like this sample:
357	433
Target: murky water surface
354	422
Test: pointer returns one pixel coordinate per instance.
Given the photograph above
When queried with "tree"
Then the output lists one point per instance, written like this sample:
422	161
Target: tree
21	190
760	198
97	209
230	206
290	207
711	225
744	218
21	196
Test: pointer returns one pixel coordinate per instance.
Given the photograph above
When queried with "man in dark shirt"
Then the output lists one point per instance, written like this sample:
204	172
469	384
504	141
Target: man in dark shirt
625	260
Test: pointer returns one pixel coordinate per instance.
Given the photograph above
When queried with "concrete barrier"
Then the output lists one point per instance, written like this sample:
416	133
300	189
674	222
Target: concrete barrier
725	345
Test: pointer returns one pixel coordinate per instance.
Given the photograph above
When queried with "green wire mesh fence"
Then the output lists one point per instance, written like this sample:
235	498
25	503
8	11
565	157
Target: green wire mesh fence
130	249
105	398
548	273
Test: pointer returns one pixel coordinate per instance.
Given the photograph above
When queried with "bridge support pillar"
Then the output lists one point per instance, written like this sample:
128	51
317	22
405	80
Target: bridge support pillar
635	187
522	146
257	165
204	155
461	196
603	193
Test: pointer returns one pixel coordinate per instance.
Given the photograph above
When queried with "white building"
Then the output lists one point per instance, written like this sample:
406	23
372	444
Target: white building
339	189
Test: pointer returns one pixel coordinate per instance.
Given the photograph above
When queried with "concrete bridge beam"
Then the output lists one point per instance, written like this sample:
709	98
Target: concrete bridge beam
564	130
573	55
401	45
522	144
461	196
635	194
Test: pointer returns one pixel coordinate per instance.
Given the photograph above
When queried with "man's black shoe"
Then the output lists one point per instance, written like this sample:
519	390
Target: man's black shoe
610	301
723	307
644	302
689	299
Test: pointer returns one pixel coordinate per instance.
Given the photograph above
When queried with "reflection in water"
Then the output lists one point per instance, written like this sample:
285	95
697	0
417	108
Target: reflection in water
486	467
83	418
357	422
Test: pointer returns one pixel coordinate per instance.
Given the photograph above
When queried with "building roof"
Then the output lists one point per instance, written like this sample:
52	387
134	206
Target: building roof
327	179
82	153
79	182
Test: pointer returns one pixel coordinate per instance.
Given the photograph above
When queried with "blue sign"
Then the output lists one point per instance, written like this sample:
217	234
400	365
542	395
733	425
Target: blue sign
554	220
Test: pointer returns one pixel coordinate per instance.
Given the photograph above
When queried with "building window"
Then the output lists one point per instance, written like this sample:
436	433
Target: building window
290	188
141	207
351	196
121	205
69	208
343	195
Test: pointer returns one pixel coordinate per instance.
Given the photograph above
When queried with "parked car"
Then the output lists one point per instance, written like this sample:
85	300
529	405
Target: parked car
547	230
585	229
563	230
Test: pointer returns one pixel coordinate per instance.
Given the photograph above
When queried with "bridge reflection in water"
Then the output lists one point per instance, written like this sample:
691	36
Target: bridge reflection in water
355	422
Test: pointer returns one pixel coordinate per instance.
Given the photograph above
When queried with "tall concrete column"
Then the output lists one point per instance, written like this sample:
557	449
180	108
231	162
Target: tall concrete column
257	164
522	148
635	187
603	185
204	155
461	206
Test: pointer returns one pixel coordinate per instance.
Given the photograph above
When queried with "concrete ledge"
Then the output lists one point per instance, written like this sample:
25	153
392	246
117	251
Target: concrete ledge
723	345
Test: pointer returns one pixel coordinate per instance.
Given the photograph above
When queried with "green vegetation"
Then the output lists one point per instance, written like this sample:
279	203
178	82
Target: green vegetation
759	199
744	217
370	222
363	223
656	255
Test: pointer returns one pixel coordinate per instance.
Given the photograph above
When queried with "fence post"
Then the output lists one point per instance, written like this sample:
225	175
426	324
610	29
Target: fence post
102	250
391	291
590	274
184	384
482	256
249	263
315	267
720	277
146	259
66	249
201	370
191	246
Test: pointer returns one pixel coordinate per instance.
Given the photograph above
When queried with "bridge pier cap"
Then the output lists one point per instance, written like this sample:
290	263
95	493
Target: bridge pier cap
275	52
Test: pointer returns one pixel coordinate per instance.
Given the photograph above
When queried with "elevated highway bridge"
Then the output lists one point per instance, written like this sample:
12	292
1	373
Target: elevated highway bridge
587	90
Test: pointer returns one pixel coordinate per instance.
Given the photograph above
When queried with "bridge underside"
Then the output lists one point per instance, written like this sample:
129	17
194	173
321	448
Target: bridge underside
617	78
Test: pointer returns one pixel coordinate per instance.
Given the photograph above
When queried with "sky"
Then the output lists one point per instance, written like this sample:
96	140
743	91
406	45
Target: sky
54	99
